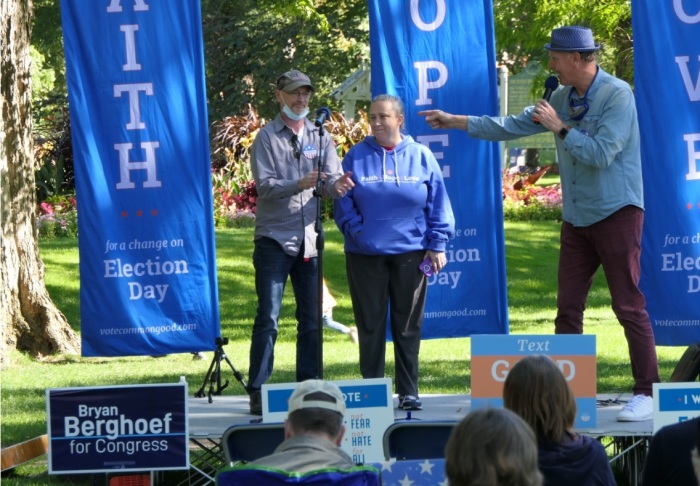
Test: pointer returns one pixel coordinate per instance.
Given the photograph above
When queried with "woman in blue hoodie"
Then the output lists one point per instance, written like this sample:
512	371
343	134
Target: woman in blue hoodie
397	215
536	389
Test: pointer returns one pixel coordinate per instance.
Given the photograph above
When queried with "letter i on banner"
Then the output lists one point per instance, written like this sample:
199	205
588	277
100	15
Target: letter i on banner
141	146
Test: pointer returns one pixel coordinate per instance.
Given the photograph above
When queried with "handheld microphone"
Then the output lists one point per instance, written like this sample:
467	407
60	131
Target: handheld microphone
550	84
322	115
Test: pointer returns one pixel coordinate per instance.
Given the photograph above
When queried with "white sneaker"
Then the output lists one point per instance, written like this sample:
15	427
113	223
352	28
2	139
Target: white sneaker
640	408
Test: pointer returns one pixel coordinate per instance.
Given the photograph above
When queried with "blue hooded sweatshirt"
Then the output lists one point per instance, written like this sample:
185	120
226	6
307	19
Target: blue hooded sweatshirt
579	461
399	203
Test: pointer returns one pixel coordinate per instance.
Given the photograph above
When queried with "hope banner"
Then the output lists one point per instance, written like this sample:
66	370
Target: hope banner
440	54
667	87
137	96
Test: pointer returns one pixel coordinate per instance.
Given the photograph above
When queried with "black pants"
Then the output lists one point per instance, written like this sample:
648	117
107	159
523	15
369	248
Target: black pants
381	284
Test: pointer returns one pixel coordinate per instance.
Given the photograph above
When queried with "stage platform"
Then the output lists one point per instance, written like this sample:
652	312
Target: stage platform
625	441
210	420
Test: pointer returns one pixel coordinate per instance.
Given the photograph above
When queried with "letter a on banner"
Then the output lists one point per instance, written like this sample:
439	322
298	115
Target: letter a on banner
667	90
438	54
135	72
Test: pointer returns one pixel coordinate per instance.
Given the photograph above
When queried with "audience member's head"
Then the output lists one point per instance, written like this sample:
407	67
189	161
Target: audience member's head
316	408
695	455
537	391
492	447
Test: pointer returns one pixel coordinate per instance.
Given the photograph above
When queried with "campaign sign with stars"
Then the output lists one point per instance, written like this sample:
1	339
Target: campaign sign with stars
139	126
675	402
369	410
494	355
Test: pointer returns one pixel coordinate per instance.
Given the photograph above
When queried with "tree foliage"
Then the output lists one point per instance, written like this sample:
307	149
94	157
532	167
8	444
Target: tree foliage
523	27
249	43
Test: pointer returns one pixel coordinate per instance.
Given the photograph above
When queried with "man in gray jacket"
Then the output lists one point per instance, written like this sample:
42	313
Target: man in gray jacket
313	430
285	165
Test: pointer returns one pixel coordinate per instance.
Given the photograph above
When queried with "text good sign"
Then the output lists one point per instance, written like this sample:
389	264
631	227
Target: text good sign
494	355
368	412
126	428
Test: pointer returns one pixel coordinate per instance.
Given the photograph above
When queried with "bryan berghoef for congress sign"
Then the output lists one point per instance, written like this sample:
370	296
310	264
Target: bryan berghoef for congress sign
102	429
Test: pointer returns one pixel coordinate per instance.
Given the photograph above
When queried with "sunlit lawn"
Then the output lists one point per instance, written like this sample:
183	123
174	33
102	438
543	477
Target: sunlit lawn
532	252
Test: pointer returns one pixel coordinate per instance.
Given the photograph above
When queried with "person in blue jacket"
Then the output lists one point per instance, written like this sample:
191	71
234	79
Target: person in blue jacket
396	216
537	391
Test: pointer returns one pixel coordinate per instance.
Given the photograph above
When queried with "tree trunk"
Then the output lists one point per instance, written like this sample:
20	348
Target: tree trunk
30	320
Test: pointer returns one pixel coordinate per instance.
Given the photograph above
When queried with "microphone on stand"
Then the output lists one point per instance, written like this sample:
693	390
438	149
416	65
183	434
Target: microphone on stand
550	84
322	115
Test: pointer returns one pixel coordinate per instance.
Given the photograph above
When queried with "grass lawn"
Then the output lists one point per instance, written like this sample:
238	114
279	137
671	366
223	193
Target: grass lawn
531	252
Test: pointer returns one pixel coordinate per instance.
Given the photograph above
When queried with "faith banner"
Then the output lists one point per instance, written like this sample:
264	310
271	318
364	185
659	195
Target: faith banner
135	75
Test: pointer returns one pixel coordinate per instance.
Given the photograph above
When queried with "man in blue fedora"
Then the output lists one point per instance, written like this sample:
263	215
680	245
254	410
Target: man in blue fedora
593	117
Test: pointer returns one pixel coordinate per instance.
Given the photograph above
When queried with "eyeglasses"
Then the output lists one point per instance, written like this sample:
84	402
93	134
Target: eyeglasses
299	94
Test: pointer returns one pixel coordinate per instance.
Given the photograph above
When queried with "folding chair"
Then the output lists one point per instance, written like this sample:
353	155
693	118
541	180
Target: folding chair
253	475
247	442
417	439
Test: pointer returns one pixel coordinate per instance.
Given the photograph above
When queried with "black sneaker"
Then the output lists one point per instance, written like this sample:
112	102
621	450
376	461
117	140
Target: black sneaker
256	403
409	402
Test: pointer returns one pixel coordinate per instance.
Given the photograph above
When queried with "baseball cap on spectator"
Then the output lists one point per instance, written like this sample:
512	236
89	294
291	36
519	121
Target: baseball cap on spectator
292	80
317	394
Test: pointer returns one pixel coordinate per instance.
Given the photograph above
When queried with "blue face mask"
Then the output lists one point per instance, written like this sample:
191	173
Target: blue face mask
579	108
293	116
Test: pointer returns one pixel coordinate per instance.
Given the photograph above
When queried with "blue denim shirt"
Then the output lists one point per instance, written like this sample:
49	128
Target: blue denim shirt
599	160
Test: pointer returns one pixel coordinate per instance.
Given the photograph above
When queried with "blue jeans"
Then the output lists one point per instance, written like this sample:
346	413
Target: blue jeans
272	267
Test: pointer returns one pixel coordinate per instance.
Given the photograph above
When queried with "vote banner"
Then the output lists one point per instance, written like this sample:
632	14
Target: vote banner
667	91
440	55
135	74
124	428
494	356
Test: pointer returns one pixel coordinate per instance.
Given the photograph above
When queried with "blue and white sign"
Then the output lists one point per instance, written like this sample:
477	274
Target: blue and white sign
125	428
441	55
675	402
667	89
369	410
135	74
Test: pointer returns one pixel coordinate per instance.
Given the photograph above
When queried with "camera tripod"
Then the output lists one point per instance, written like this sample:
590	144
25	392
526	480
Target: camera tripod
213	376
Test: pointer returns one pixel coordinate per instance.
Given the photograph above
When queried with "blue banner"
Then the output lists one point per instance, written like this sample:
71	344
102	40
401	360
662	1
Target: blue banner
124	428
440	54
135	73
667	87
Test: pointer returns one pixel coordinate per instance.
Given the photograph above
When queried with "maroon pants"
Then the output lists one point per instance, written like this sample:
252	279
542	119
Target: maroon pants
614	243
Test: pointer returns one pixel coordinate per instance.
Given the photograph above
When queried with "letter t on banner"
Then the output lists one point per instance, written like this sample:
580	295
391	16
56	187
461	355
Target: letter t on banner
135	72
441	55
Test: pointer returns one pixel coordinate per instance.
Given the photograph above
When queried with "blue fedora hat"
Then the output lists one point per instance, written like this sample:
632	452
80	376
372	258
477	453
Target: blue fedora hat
572	39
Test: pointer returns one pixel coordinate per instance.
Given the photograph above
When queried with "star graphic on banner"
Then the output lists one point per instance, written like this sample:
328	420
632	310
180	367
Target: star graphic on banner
405	481
386	465
427	467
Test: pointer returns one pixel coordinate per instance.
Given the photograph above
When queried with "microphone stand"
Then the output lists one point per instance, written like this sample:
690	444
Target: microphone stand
320	239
